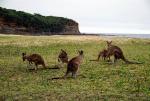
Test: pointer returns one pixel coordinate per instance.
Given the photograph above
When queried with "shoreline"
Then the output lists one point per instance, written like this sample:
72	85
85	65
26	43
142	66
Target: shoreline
140	36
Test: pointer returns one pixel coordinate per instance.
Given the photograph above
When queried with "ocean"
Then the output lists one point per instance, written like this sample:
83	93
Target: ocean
143	36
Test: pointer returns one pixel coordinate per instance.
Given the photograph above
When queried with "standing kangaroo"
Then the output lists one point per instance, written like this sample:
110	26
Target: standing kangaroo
117	53
36	58
73	66
63	56
102	54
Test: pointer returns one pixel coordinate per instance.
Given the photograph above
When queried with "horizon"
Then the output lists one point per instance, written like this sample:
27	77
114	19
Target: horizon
97	16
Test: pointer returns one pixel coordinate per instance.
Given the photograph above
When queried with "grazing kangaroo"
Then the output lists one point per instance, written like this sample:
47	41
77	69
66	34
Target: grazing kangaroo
102	54
73	66
117	52
63	57
36	58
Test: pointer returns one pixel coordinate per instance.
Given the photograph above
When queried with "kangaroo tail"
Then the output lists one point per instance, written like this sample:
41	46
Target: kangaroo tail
130	62
54	68
133	62
56	78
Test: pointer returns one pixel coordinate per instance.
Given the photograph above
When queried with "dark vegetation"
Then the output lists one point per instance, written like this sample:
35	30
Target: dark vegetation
35	22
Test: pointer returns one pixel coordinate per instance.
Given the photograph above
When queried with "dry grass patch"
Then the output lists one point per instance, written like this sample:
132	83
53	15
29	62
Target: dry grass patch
25	41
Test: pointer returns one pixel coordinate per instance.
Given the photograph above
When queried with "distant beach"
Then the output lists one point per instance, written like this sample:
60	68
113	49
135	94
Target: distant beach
143	36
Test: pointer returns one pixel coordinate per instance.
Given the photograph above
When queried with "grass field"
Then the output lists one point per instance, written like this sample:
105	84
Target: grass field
101	81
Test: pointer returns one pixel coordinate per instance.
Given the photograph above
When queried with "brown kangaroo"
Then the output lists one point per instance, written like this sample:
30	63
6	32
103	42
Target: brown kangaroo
73	66
102	54
63	56
36	58
117	53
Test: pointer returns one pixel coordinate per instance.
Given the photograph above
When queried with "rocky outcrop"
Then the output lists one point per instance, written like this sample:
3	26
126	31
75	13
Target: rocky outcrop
12	21
11	27
6	27
71	28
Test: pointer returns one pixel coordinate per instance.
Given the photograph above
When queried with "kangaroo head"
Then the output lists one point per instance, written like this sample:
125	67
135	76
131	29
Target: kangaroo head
63	52
23	56
109	43
63	56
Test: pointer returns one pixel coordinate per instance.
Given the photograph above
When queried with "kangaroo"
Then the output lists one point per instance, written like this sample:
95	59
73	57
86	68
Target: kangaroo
73	66
63	57
102	54
34	58
117	53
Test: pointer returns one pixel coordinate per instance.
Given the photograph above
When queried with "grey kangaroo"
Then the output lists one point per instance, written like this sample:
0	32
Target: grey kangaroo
117	53
73	66
34	58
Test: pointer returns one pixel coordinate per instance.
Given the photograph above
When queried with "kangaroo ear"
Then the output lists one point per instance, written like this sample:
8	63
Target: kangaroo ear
81	52
62	50
107	42
23	54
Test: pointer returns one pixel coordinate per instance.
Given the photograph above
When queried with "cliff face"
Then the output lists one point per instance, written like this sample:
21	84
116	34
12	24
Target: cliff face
18	22
71	28
10	27
7	27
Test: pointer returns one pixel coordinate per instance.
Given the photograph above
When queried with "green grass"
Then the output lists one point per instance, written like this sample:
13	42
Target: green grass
102	81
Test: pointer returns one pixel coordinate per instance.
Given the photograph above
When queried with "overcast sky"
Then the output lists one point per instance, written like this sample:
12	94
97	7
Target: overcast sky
97	16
